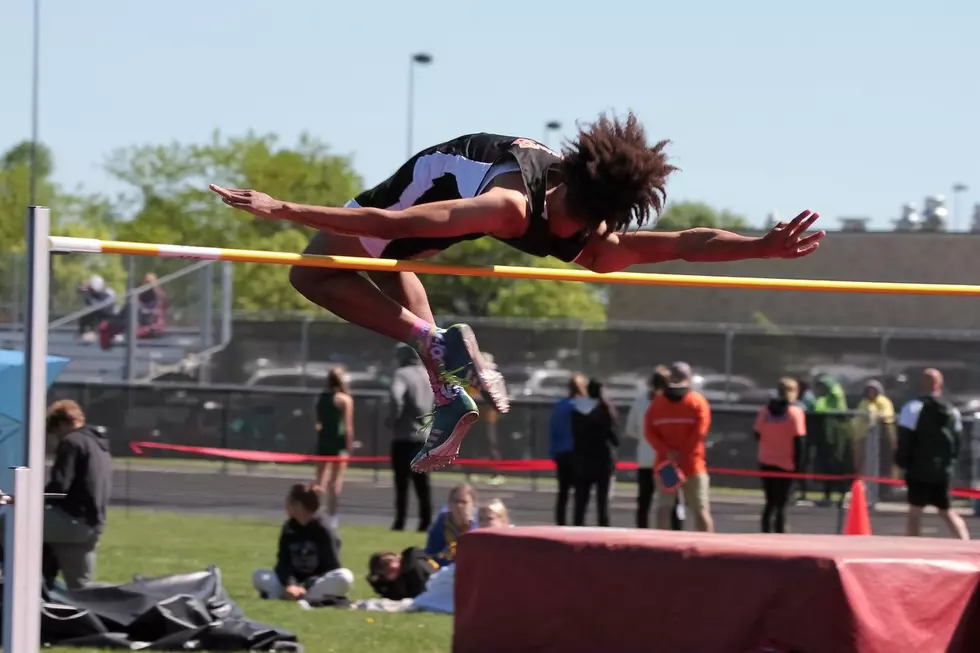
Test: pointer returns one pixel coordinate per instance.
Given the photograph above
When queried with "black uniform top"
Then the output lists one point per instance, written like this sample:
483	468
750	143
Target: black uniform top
457	169
306	551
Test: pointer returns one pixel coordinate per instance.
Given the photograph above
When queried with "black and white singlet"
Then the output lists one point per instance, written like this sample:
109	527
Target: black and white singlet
463	168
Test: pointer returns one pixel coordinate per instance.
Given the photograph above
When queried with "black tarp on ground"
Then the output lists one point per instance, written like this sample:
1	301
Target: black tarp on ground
174	613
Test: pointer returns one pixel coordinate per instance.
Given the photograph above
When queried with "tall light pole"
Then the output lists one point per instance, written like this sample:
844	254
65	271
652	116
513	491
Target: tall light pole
549	127
34	99
418	59
958	189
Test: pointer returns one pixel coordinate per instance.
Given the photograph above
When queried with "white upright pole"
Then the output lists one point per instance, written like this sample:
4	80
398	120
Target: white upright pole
25	532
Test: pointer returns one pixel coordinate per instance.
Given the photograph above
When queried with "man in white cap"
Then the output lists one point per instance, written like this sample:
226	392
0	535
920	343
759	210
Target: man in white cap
94	293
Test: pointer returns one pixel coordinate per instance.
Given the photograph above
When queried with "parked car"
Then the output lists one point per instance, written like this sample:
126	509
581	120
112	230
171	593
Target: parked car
525	381
623	388
723	389
314	375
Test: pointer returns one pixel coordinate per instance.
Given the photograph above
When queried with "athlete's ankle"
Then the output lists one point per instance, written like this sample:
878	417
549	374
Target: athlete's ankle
428	340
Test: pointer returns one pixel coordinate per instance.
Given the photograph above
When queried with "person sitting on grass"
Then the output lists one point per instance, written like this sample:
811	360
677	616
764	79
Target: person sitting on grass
451	524
441	586
412	583
493	515
397	577
308	563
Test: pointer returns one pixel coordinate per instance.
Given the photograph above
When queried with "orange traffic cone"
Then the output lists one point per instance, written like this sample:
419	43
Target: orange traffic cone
858	521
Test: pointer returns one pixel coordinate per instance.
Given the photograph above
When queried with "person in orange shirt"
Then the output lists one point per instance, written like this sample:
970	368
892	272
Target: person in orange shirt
676	425
780	428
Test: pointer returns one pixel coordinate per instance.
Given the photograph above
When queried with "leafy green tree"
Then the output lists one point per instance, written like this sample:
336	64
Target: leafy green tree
169	201
15	191
71	214
20	155
686	215
482	296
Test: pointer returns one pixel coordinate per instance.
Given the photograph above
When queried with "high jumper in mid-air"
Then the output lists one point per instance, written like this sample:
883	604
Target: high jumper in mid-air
577	206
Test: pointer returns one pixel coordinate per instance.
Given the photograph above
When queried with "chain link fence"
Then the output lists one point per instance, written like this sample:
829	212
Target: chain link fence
736	363
183	294
282	421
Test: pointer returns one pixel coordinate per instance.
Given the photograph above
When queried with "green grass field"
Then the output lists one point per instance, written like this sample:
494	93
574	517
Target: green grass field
158	543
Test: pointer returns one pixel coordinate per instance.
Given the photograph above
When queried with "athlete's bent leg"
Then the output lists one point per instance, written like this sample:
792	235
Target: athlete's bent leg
406	289
352	297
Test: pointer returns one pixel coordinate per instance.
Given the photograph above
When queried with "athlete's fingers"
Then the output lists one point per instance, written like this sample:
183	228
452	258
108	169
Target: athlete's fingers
812	238
802	222
803	251
224	192
802	215
231	192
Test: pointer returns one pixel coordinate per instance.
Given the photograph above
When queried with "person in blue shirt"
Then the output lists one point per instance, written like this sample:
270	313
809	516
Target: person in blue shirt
561	443
459	518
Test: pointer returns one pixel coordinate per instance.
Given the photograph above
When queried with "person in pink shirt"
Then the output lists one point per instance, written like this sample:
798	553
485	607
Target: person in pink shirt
779	428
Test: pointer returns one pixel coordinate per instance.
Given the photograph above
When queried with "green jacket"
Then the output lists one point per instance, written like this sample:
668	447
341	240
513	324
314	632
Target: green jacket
833	401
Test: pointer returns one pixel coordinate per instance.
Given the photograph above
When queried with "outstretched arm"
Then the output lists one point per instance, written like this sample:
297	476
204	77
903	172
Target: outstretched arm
614	252
500	212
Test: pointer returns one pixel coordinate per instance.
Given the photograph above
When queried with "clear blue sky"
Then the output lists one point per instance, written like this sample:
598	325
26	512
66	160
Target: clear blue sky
848	108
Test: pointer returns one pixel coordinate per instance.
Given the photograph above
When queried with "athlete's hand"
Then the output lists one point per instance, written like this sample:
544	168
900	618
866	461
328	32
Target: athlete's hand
252	201
790	240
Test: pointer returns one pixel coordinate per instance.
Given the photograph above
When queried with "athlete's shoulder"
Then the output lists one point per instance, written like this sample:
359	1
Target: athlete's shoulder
531	144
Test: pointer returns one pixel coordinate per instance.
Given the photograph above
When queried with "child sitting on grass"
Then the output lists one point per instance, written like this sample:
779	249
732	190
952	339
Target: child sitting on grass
308	563
493	515
451	524
397	577
409	583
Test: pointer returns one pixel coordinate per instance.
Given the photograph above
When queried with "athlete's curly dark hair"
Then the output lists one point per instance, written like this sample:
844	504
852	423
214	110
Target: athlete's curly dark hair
612	175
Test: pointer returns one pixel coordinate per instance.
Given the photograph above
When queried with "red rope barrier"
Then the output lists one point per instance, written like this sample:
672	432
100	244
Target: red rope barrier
536	465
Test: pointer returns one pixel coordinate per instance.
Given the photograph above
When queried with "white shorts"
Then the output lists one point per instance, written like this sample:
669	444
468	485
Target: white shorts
373	246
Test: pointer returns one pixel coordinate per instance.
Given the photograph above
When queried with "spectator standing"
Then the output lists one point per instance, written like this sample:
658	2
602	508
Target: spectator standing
95	292
488	424
561	443
82	471
451	524
308	559
874	409
807	399
410	401
645	484
676	426
929	432
594	425
780	428
831	435
335	438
